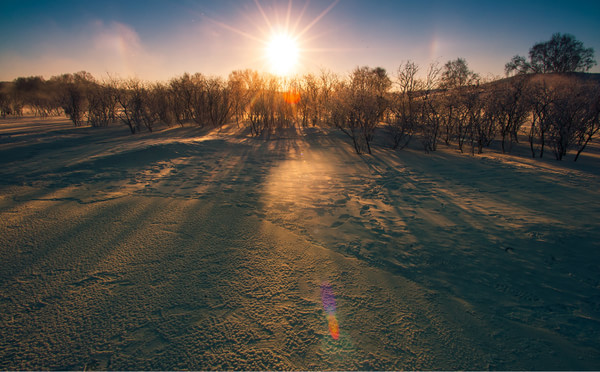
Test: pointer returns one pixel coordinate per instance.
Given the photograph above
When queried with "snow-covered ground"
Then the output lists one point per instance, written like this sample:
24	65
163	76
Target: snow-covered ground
190	249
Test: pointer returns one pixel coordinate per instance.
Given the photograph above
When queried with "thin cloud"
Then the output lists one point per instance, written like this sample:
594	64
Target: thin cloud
120	50
113	48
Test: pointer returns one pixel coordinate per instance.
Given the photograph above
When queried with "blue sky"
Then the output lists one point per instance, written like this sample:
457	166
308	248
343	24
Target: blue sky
160	39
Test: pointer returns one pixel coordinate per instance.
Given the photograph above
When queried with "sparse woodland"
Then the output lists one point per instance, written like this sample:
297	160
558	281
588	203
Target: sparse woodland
555	106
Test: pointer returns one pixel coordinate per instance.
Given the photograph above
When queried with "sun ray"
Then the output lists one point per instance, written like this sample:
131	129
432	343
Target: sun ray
320	50
288	15
318	18
260	9
299	18
283	46
237	31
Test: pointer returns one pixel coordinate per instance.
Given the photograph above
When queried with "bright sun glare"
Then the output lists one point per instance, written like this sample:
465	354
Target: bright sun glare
280	40
282	53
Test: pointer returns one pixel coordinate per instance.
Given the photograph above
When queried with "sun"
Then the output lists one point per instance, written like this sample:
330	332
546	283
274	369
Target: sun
282	53
283	40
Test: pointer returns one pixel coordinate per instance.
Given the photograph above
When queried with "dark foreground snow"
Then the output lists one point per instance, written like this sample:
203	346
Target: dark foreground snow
191	250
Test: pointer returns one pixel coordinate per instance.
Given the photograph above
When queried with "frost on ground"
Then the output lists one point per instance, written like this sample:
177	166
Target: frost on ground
186	249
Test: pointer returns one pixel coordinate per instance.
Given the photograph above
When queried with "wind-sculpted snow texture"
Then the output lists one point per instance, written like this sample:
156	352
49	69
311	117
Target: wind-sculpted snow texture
185	249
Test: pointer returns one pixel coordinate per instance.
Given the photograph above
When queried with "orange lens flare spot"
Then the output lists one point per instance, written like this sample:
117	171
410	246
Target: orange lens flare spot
291	97
334	329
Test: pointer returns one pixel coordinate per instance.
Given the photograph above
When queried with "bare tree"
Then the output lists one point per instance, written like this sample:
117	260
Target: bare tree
10	104
102	103
465	102
135	101
161	101
591	124
361	105
511	109
219	101
457	74
487	129
540	100
327	83
562	53
430	119
448	111
342	115
42	97
313	97
308	90
480	113
5	99
573	117
240	96
73	92
259	112
199	105
404	111
183	92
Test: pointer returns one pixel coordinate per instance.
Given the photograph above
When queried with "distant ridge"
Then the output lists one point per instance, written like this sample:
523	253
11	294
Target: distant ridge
581	77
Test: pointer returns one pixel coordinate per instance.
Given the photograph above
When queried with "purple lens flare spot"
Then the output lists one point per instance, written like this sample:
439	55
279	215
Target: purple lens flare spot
327	298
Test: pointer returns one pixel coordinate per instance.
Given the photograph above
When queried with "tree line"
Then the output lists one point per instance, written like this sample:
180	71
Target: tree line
444	104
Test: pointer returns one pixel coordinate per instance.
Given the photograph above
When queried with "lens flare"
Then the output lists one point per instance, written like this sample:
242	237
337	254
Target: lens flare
292	97
328	300
334	328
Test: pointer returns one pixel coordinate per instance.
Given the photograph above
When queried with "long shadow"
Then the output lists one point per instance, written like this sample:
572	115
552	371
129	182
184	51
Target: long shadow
505	242
489	233
162	258
500	202
177	274
206	269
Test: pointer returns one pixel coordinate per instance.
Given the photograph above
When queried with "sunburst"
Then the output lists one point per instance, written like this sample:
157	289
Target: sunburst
283	43
282	54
